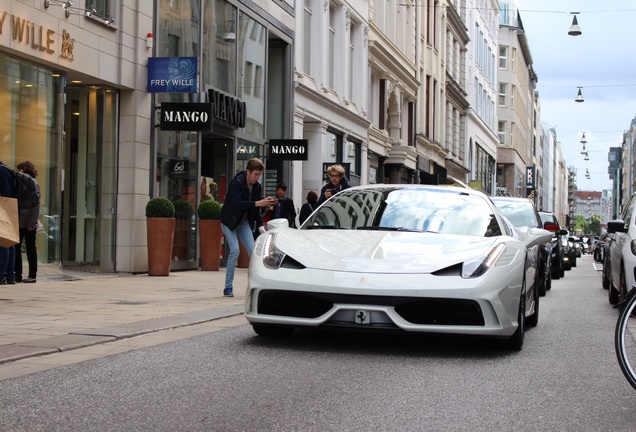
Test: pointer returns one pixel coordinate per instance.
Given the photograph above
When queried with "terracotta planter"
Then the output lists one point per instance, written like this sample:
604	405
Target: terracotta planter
210	236
160	232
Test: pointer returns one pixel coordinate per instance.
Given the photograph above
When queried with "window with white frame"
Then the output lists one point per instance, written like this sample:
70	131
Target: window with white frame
105	9
513	60
503	89
332	45
513	90
503	57
307	37
353	27
501	132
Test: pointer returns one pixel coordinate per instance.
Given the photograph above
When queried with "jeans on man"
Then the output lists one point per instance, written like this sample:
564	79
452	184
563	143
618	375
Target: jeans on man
7	262
243	233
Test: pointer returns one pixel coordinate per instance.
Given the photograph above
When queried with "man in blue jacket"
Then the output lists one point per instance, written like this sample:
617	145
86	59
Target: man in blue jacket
7	255
241	217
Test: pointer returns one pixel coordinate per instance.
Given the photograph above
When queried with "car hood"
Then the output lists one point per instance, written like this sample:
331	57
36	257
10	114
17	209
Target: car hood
379	251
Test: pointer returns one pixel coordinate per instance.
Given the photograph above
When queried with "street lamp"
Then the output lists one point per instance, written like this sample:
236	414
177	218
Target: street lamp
575	30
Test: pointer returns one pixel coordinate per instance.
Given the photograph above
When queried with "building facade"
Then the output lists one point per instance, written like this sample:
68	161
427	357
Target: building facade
481	83
515	105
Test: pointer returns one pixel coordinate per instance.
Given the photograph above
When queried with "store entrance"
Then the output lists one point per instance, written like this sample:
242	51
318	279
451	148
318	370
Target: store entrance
89	179
215	166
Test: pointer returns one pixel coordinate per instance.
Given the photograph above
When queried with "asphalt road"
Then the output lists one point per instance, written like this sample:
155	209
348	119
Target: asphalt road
566	378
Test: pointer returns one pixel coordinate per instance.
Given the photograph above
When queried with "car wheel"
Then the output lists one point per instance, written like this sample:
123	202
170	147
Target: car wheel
573	262
516	340
612	294
562	268
533	319
267	330
606	272
623	292
548	283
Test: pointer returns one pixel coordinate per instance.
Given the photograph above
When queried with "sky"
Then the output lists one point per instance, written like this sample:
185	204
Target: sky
602	60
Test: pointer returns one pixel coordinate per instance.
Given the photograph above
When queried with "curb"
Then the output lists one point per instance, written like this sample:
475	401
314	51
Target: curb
85	338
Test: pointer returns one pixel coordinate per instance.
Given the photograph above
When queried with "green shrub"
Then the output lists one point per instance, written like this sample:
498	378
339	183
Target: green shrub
209	209
160	207
183	209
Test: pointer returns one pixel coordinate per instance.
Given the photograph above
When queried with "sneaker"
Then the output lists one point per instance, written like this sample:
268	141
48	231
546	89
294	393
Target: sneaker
11	280
18	279
228	292
3	280
29	280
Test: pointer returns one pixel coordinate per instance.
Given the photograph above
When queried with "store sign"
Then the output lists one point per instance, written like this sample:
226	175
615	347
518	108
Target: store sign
172	74
228	109
186	116
288	149
179	168
530	177
38	38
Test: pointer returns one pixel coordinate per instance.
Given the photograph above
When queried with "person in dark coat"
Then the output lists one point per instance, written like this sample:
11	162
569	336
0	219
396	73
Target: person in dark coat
308	208
337	183
7	255
28	230
241	217
284	208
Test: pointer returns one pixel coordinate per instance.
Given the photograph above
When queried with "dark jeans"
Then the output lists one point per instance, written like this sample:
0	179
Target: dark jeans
7	261
32	254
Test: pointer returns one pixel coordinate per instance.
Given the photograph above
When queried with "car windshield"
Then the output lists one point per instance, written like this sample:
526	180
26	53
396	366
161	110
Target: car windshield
520	212
407	209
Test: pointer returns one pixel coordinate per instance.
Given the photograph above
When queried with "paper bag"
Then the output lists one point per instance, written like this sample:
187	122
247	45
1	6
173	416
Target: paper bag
9	225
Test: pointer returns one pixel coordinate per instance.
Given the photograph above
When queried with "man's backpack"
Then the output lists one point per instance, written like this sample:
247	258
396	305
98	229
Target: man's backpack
27	191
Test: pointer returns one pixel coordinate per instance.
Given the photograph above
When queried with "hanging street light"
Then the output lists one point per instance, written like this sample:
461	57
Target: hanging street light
583	140
579	96
575	30
586	157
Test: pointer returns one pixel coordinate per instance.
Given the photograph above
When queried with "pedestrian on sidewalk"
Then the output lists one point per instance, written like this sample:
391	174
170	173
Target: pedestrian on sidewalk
29	211
7	255
337	182
284	208
241	217
309	207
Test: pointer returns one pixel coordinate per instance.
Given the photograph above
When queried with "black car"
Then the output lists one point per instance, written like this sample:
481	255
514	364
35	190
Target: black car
559	246
522	212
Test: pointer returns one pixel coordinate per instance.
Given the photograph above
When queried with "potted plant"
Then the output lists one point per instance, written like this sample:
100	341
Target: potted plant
210	234
184	226
160	224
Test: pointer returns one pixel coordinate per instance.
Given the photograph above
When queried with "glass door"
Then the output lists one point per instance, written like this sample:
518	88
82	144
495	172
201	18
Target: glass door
90	178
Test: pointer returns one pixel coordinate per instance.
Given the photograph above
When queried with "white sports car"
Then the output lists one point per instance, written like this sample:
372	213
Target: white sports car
435	259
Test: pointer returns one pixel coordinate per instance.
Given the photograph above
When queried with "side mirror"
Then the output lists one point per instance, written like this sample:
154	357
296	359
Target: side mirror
615	226
551	226
563	232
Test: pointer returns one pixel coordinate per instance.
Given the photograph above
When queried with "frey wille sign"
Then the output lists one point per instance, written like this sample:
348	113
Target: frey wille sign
288	149
186	116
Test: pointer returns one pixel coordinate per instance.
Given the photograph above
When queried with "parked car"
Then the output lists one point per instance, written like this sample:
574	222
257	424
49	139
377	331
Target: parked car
573	251
622	252
433	259
607	265
557	255
522	212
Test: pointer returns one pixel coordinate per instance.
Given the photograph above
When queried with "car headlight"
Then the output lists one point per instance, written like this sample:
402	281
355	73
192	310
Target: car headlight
478	266
272	257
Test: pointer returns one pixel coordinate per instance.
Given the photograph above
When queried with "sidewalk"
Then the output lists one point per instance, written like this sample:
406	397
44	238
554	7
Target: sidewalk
67	310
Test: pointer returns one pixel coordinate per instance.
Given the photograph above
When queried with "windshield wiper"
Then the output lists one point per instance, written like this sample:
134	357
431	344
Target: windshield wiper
325	227
381	228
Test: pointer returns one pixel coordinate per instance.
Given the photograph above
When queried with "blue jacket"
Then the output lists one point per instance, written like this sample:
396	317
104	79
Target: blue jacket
239	203
7	181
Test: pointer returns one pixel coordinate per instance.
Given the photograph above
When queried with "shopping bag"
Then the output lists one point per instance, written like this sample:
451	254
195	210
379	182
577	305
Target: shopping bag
9	225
